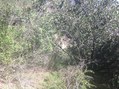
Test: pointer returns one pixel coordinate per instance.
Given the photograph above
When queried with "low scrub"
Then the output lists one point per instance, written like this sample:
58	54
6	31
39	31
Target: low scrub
69	78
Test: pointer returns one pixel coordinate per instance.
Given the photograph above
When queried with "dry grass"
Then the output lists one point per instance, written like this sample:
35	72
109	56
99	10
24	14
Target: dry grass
27	79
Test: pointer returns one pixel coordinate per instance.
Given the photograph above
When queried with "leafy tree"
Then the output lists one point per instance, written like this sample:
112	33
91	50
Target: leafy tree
89	24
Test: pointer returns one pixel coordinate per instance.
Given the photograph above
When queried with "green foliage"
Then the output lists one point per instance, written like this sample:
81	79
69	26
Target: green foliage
59	60
46	31
8	44
30	26
76	78
21	32
54	81
69	78
87	24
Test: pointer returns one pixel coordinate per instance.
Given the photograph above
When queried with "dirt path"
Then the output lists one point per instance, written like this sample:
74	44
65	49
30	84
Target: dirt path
27	79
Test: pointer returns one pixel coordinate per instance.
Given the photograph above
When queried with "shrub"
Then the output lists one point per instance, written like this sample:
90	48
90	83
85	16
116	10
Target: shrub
69	78
54	81
75	78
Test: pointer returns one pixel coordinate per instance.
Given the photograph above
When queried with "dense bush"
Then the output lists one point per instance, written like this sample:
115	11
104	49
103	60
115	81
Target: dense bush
7	36
68	32
20	32
90	24
106	63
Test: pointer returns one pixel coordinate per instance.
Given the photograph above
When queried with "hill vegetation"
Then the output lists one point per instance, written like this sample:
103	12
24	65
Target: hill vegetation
75	43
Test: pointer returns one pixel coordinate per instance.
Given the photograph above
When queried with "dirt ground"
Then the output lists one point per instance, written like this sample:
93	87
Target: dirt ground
32	78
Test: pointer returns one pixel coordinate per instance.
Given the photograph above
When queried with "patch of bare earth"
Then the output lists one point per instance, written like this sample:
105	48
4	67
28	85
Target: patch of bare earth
32	78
